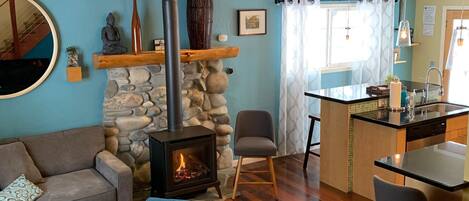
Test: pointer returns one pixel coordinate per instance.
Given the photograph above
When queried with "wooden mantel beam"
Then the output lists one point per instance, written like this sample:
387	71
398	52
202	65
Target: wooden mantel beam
158	57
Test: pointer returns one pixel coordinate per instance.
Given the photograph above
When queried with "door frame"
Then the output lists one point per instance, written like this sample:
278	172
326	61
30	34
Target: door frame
442	61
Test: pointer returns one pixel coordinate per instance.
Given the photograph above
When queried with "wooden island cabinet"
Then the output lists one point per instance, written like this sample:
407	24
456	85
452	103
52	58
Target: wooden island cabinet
373	141
456	129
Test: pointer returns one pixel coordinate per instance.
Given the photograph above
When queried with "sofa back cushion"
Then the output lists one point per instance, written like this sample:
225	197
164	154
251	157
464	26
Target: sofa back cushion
65	151
15	161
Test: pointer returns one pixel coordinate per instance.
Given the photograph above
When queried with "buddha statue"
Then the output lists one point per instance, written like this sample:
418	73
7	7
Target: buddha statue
111	38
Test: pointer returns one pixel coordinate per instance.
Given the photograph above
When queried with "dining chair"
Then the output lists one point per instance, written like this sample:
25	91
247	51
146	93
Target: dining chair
385	191
254	138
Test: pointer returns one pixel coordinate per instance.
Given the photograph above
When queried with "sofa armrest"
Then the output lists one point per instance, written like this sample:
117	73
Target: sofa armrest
117	173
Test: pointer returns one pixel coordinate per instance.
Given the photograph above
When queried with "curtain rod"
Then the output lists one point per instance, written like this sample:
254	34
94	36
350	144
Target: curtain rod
312	1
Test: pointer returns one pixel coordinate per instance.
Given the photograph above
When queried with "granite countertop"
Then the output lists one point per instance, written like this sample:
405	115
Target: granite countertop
357	93
439	165
421	115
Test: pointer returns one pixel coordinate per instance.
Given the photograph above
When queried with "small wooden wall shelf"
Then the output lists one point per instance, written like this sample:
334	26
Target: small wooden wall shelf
158	57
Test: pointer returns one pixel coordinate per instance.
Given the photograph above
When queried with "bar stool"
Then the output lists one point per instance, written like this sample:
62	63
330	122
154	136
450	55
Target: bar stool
308	151
254	138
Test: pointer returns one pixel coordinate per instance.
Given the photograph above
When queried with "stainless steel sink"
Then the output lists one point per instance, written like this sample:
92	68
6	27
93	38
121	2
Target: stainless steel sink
442	107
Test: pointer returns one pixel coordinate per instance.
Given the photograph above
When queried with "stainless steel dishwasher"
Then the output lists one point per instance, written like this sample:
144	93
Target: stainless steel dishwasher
426	134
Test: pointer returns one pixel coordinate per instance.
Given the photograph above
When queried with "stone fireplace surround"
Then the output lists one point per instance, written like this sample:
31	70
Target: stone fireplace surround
135	105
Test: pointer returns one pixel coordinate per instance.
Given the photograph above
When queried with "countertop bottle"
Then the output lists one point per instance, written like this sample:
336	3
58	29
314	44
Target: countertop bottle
136	31
411	103
404	97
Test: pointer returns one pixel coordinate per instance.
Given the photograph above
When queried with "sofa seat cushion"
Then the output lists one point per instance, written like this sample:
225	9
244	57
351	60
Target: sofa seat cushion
65	151
83	185
14	162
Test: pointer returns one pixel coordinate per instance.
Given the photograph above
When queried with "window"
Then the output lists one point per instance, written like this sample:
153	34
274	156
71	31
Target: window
340	53
459	77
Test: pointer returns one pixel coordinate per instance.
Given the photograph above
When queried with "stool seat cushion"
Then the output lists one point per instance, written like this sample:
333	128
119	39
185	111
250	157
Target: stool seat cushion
255	146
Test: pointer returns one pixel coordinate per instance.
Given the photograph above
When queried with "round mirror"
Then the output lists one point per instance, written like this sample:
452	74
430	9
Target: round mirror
28	47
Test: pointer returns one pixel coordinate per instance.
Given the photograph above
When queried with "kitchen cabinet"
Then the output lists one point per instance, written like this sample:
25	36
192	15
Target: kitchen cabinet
456	129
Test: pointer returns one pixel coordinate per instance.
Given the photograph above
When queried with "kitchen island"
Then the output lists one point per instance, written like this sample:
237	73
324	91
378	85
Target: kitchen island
439	171
337	147
381	133
337	106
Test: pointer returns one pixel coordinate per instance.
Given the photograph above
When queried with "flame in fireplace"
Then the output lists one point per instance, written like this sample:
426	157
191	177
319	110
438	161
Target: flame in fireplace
182	163
189	168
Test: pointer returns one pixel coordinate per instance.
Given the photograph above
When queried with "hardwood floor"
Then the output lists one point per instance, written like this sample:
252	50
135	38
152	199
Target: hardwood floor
294	184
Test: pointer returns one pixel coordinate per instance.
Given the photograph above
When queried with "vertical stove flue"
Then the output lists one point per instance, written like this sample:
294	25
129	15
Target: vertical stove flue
173	63
164	144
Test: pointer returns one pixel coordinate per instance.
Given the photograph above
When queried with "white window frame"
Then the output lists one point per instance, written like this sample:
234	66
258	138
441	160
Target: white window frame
338	67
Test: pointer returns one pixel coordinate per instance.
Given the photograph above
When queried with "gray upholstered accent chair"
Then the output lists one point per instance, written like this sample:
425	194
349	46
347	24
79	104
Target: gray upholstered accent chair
385	191
254	138
75	166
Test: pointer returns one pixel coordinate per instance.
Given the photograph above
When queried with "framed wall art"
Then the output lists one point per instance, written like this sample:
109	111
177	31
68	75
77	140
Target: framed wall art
252	22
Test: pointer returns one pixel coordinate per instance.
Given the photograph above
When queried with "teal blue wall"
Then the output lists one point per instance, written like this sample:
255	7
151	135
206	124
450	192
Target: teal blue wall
58	104
255	83
336	79
42	50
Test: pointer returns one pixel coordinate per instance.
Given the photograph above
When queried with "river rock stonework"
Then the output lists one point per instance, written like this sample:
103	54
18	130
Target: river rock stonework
135	105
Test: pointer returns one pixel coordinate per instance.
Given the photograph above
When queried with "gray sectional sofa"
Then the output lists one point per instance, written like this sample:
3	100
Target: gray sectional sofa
76	166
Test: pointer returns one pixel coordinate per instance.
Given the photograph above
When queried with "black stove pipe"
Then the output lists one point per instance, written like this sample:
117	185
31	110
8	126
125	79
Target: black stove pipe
173	63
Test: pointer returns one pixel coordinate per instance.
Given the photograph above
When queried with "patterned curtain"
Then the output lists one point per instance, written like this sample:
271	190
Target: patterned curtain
300	72
378	21
312	1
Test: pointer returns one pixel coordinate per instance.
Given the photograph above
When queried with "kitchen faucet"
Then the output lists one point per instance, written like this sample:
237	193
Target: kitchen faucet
427	82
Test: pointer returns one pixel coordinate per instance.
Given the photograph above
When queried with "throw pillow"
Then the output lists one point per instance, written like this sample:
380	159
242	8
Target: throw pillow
16	161
20	190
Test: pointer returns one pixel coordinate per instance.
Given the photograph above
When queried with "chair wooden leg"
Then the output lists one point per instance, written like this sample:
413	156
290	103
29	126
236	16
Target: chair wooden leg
308	144
238	172
217	187
274	179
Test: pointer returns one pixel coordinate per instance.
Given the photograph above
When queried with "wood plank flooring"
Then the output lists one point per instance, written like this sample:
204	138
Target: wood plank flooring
294	184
